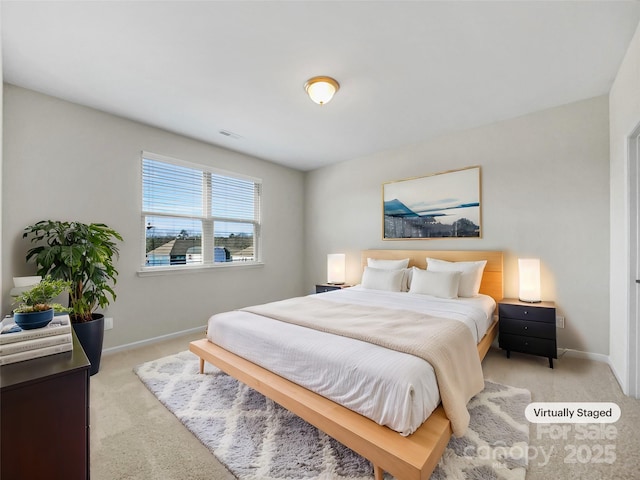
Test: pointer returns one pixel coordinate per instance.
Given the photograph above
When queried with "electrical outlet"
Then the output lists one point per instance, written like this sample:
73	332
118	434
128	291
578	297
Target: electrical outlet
108	323
559	321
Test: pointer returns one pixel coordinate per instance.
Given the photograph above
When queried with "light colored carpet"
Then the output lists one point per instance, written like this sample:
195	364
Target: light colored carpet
259	440
134	437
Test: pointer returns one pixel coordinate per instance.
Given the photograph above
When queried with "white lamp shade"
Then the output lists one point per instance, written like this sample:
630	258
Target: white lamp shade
321	89
321	92
22	284
335	268
26	281
529	274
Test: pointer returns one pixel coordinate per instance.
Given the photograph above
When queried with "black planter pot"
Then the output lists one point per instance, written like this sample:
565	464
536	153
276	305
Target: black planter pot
90	335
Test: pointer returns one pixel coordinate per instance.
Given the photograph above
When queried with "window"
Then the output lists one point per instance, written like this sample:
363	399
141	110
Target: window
194	215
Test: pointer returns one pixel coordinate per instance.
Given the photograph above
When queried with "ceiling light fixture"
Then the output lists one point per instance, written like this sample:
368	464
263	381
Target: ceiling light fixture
321	89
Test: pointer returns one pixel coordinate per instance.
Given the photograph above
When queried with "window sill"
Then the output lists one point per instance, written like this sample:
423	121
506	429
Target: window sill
180	270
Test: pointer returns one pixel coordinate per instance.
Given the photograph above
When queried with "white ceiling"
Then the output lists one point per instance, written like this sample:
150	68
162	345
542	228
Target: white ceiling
408	70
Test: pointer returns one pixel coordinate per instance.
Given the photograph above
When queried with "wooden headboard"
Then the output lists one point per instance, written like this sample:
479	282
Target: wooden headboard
492	279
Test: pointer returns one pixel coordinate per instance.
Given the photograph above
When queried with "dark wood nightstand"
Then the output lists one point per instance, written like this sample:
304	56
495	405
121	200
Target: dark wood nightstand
528	328
327	287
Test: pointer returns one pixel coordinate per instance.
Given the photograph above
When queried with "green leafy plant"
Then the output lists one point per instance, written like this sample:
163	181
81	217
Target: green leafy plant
81	254
38	298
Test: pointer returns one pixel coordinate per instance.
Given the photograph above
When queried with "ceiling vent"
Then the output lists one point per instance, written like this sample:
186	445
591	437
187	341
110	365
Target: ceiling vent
229	134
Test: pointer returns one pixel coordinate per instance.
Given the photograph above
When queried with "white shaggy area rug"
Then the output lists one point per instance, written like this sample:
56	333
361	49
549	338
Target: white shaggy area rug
256	439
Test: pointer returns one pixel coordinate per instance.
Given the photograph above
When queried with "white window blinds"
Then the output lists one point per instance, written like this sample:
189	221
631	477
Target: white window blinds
195	215
234	198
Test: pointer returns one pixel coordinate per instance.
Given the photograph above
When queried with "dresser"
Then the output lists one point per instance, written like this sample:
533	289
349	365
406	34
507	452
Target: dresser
528	328
44	417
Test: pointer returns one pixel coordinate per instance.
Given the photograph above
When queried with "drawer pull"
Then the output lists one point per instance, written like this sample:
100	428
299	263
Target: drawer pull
526	328
526	312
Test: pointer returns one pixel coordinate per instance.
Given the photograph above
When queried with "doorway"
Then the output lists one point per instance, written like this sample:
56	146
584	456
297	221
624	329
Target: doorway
634	264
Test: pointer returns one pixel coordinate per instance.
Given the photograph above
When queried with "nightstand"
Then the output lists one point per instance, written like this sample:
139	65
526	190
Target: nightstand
528	328
327	287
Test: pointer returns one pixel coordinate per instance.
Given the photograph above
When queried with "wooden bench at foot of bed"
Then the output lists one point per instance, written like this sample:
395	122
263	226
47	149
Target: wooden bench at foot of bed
406	458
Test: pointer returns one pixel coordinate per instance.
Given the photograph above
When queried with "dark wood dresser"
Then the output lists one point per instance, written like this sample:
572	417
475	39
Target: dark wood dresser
44	417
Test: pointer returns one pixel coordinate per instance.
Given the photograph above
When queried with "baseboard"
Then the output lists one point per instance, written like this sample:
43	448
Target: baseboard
150	341
623	385
598	357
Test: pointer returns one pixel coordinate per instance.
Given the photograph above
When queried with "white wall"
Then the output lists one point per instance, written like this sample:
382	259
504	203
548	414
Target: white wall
545	193
68	162
624	112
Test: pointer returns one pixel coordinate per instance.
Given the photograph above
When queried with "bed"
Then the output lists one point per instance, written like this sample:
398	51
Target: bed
405	451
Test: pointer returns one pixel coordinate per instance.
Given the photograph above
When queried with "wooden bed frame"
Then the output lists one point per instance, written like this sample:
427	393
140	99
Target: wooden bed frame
407	458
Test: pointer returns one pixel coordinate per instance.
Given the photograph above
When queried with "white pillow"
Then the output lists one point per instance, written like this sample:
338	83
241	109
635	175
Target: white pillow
438	284
381	279
470	278
393	265
388	264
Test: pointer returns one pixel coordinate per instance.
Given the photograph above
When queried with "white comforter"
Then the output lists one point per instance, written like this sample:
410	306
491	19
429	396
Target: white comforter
392	388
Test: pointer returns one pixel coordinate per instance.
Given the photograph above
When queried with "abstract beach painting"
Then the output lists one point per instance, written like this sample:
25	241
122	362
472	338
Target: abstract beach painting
442	205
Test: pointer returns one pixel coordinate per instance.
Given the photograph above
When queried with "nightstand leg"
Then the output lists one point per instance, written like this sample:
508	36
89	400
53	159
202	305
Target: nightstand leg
508	353
550	362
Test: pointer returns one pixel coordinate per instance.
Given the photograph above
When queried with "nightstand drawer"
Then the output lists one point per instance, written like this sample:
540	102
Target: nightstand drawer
533	345
325	288
527	328
523	312
328	287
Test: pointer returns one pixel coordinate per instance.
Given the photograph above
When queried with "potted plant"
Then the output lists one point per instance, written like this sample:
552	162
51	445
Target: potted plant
83	255
34	308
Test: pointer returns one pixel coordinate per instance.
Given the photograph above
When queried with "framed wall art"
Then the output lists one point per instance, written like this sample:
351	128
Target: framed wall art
442	205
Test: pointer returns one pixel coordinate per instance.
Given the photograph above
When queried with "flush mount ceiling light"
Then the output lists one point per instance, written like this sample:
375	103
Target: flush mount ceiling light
321	89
